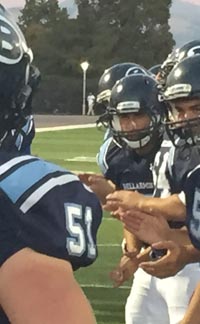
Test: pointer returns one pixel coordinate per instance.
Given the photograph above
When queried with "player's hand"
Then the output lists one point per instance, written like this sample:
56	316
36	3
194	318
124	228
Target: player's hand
124	271
145	227
123	199
98	184
85	177
169	264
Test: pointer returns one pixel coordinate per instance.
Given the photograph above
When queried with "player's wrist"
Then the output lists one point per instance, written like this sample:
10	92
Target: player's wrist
144	203
189	254
127	250
170	234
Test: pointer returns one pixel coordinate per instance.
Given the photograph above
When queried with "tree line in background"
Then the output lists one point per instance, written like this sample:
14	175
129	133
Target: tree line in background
105	32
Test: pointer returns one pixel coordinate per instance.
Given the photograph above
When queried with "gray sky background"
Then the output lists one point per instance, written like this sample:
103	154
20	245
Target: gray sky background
13	3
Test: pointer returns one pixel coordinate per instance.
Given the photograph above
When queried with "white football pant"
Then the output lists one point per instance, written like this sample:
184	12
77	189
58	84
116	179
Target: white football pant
161	301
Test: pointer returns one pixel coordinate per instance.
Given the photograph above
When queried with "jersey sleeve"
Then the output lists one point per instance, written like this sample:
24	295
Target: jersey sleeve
192	192
181	161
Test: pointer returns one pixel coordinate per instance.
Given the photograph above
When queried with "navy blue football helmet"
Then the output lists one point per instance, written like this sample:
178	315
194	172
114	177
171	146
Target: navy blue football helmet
112	75
188	50
167	66
183	83
108	80
176	56
15	75
137	94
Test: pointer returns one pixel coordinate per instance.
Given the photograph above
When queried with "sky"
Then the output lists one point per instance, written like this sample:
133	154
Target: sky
197	2
20	3
12	3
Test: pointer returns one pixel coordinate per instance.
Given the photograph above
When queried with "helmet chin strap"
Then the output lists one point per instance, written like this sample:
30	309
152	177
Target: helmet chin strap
137	144
116	123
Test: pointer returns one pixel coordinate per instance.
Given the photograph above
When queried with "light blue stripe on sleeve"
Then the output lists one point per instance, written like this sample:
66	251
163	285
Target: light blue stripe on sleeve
44	188
18	182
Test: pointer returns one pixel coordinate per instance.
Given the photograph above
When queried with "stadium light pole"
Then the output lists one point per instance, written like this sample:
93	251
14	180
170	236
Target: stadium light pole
84	66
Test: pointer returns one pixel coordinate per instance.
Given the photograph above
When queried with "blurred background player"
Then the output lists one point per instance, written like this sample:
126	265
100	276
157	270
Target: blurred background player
108	79
49	220
177	55
155	69
91	103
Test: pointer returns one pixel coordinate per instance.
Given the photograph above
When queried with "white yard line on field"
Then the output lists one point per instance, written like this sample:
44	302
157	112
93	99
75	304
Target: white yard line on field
103	286
109	245
82	158
57	128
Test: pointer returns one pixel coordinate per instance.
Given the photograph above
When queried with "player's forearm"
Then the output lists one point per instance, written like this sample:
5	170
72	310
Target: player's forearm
171	207
132	242
180	236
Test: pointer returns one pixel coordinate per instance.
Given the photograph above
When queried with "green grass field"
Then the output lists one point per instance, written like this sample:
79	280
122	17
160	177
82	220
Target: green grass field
76	150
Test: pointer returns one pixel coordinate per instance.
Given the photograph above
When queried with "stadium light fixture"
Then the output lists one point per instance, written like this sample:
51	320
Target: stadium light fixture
84	66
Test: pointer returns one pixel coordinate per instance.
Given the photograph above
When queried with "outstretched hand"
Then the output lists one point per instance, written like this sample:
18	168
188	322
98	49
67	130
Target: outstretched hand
169	264
145	227
123	199
128	265
124	271
98	184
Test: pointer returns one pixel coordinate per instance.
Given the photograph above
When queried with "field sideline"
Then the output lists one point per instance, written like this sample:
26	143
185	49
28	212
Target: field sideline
67	148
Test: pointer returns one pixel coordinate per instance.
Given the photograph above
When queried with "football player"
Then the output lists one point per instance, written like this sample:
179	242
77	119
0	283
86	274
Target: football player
48	218
135	121
129	149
